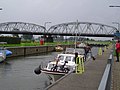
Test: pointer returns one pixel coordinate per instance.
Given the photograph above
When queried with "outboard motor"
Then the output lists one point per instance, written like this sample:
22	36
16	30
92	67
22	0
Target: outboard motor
37	70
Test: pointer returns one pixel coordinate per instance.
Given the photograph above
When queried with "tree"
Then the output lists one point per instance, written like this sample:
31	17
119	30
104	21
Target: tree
15	30
28	37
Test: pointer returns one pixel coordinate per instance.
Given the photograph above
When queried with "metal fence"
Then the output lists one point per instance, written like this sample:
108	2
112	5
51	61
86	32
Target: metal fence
105	83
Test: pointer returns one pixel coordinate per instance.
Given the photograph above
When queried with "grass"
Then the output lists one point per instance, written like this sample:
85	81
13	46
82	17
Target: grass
98	42
35	44
53	43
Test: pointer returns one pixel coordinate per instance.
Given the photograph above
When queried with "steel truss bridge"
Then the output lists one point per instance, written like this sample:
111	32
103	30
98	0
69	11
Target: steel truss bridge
64	29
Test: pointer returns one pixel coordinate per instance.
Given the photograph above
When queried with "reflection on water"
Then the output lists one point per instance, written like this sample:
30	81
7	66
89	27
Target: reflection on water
4	69
18	73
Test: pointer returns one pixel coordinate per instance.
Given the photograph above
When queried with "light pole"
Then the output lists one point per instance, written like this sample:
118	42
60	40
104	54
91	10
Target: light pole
76	29
45	25
117	24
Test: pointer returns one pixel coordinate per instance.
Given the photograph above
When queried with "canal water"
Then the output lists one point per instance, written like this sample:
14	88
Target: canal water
18	73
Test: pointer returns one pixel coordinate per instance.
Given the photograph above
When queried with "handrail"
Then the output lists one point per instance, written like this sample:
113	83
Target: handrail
105	83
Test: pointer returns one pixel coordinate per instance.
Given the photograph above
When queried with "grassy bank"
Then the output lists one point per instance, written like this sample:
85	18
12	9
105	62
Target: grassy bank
35	44
54	43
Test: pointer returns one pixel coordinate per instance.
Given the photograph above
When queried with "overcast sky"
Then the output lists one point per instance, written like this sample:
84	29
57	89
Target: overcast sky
60	11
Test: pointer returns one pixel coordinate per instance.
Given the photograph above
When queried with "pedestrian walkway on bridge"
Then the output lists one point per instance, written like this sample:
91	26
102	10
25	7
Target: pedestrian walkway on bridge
89	80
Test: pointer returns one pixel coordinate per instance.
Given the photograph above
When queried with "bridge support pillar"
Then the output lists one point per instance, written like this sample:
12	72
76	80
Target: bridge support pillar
48	38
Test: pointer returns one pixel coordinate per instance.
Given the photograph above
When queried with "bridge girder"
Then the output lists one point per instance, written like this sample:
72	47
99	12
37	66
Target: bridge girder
83	29
65	29
20	28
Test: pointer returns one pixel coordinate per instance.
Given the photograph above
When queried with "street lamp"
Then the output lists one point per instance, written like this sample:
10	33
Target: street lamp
45	24
117	24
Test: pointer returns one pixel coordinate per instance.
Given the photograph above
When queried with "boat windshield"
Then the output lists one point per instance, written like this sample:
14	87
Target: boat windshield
61	57
50	66
73	60
69	50
68	58
80	51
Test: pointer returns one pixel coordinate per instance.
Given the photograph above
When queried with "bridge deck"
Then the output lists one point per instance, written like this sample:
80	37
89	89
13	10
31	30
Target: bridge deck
89	80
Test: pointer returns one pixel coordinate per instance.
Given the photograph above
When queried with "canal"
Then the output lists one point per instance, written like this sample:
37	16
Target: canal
18	73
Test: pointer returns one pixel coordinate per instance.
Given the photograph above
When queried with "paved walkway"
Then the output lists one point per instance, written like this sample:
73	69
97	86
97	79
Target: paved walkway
89	80
116	76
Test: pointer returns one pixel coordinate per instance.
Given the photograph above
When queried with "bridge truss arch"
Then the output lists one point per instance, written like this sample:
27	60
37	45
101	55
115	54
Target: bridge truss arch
21	28
83	29
64	29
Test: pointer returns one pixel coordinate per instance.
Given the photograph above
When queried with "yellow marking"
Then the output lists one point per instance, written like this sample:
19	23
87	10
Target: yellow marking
80	65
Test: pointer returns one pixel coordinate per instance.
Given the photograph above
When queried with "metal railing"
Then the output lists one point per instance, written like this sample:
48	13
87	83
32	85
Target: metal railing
105	83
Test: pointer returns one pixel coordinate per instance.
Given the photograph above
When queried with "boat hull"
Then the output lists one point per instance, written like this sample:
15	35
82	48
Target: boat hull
1	59
2	55
58	49
53	75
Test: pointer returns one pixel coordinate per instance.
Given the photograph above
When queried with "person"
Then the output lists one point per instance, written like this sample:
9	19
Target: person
117	49
87	50
76	55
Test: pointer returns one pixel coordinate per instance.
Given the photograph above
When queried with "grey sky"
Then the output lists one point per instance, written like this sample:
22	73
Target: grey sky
59	11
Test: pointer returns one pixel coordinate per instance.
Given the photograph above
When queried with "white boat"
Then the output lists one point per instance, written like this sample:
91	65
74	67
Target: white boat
59	48
2	55
63	64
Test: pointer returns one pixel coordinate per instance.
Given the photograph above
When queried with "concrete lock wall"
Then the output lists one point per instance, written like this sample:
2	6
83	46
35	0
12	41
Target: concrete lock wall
16	51
24	51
